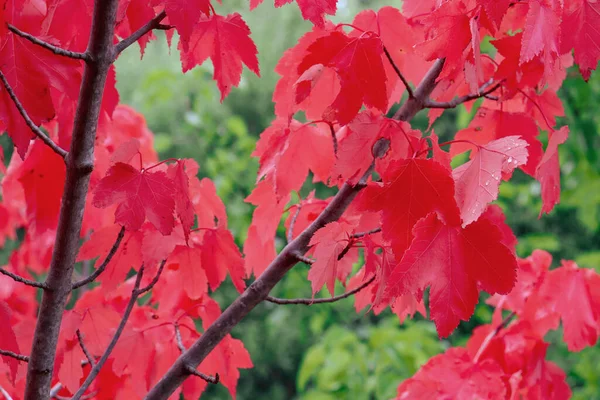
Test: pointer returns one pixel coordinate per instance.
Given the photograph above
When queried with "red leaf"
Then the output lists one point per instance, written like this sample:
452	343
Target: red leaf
453	261
329	242
411	189
548	171
219	254
208	205
9	340
358	63
478	180
455	375
226	40
140	195
70	371
184	14
579	29
540	32
183	204
288	151
193	277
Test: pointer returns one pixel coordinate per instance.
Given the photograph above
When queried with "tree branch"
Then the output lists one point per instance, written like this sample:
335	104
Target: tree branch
483	92
5	394
154	280
34	128
193	371
19	357
287	258
80	163
88	355
402	78
304	259
104	264
290	234
113	342
413	105
367	233
48	46
309	302
154	23
492	335
22	280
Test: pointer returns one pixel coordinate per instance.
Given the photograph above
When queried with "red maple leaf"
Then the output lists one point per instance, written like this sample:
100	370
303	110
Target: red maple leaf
193	277
548	171
453	261
455	375
358	63
579	29
184	14
9	340
478	180
226	40
411	189
219	255
140	195
183	203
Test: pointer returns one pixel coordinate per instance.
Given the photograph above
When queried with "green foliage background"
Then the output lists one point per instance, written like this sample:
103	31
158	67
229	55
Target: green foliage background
329	351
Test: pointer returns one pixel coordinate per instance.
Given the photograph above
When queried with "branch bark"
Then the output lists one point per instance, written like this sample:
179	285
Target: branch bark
154	23
19	357
80	162
415	104
48	46
22	280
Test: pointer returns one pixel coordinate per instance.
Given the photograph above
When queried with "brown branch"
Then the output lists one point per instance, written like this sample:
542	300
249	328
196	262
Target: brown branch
34	128
135	292
334	139
48	46
413	105
85	350
55	389
22	280
367	233
80	163
104	264
463	99
193	371
154	23
411	94
287	258
19	357
492	335
154	280
309	302
304	259
4	393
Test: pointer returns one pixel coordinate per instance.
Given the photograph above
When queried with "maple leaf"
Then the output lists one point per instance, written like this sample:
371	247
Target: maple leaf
288	151
9	340
329	242
570	285
312	10
548	171
226	40
358	63
540	32
207	204
70	371
221	254
579	29
478	180
140	195
411	189
453	261
183	204
496	124
193	277
184	14
135	14
455	375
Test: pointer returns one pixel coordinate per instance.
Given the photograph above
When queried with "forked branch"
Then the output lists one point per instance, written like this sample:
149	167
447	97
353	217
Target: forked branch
48	46
309	302
402	78
193	371
34	128
484	91
154	23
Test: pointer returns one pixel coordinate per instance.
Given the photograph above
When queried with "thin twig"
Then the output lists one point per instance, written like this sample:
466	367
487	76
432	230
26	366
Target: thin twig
55	389
308	302
55	49
154	23
193	371
154	281
19	357
5	394
88	355
86	397
411	94
22	280
463	99
96	369
334	139
104	264
367	233
34	128
304	259
492	335
290	235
